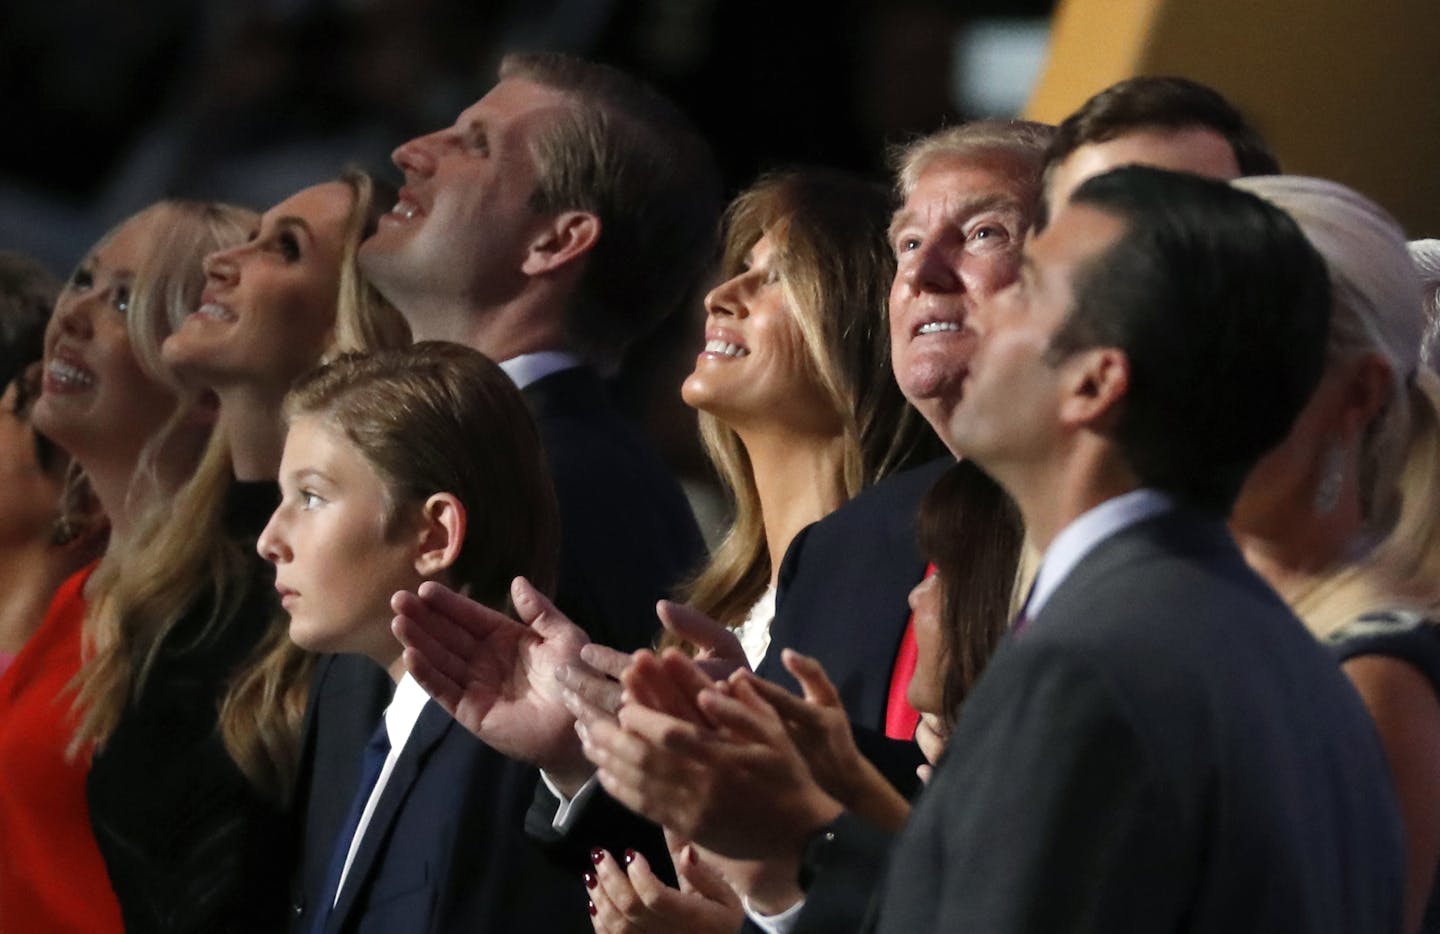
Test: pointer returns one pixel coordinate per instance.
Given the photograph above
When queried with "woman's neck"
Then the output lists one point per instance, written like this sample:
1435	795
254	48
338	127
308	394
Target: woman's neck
798	481
29	576
253	423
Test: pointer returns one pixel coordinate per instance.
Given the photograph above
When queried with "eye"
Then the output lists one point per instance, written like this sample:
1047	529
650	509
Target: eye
81	279
310	500
121	298
289	246
907	244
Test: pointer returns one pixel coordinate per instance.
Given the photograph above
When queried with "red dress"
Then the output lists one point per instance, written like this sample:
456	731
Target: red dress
51	875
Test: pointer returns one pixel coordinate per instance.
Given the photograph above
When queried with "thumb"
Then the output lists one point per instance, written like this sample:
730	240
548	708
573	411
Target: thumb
695	627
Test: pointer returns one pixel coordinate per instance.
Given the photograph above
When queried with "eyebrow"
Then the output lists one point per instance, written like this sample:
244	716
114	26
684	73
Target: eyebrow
309	473
290	220
974	204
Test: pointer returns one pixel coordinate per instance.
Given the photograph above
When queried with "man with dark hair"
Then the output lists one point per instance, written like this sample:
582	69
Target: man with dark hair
1160	746
1168	122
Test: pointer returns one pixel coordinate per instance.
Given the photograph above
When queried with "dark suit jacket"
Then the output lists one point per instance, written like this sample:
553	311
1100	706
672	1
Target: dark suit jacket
1163	748
627	533
445	849
843	589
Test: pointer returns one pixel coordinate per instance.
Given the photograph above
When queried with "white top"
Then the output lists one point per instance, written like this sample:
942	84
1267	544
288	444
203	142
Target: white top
754	633
532	367
410	698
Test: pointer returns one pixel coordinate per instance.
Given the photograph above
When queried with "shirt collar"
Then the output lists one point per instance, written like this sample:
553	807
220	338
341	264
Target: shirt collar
532	367
404	710
1080	537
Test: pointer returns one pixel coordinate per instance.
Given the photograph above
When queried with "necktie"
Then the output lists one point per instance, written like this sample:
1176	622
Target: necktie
375	752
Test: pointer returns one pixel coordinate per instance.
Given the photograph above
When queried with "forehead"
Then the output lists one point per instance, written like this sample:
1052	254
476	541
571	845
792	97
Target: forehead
514	104
1198	150
1077	235
324	205
950	186
127	247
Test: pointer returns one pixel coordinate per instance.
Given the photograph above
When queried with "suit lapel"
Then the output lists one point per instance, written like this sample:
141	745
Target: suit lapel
428	730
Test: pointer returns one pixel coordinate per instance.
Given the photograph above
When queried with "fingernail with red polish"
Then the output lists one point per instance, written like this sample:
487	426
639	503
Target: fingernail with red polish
590	880
591	906
596	855
629	857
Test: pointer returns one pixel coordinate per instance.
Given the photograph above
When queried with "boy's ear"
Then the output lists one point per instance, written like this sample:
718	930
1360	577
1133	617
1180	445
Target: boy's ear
442	532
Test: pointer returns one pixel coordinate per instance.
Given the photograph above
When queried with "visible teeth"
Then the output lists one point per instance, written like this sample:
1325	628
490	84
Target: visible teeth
729	350
69	375
935	327
216	311
403	209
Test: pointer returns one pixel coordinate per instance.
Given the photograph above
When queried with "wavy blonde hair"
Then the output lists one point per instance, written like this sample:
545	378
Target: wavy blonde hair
184	555
1376	309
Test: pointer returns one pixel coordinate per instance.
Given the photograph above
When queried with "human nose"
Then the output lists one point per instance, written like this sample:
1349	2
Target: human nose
222	266
417	157
74	314
271	544
930	268
727	298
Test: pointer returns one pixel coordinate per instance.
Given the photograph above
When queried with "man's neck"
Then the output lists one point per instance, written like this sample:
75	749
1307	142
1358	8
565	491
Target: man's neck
1052	495
500	333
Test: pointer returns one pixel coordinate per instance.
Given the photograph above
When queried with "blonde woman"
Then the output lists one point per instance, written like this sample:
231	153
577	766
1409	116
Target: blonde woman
108	400
1342	517
194	697
799	409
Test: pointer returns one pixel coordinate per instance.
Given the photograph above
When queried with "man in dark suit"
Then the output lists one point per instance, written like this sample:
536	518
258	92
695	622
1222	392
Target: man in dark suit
1159	745
563	214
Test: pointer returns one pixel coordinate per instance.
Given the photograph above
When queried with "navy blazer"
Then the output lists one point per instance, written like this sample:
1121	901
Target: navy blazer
1164	747
627	533
843	592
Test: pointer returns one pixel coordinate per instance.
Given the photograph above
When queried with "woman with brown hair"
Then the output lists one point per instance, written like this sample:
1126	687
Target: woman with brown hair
193	698
799	409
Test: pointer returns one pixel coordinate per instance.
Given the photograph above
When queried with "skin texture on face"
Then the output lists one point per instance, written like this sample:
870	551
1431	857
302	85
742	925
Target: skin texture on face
462	225
754	369
268	310
1011	409
96	401
957	241
1196	150
335	566
927	686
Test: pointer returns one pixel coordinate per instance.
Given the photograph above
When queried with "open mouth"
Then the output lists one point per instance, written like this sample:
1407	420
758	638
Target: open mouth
214	311
66	376
725	349
937	327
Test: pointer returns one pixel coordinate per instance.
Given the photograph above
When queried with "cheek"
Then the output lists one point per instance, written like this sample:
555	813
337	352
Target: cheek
988	273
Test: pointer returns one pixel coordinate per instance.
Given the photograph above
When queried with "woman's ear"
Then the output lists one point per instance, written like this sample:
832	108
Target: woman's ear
442	533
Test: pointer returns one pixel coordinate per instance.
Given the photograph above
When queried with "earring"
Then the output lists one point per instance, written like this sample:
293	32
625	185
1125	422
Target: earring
1332	479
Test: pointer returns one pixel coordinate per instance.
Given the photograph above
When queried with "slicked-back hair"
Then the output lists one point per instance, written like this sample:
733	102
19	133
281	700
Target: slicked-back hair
626	154
1222	309
1162	102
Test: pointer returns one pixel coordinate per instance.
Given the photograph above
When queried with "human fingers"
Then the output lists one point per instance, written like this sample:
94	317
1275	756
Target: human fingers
698	876
541	615
606	660
589	687
618	906
466	615
811	675
650	683
700	630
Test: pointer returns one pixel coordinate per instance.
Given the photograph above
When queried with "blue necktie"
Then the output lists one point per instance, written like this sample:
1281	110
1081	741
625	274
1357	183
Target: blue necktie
375	752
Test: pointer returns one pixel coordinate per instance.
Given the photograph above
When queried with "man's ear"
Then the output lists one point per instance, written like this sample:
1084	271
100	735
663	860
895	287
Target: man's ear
565	238
442	533
1094	386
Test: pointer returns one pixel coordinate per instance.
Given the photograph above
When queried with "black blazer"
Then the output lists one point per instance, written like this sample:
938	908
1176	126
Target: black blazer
843	589
1163	748
445	849
627	533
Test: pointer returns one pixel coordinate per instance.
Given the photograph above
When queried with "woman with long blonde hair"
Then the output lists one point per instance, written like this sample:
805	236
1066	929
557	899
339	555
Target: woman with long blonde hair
107	399
193	698
1343	519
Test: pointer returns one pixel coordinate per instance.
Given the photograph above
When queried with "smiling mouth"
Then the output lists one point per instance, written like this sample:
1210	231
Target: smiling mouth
214	311
937	327
725	349
405	210
66	376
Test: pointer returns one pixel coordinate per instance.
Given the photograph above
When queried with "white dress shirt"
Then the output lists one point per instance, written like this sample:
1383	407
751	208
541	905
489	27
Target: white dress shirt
410	698
532	367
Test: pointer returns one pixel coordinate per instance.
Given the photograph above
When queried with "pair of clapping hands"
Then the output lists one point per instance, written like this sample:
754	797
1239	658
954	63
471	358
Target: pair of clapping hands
741	767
